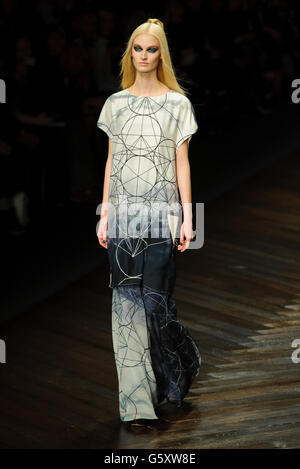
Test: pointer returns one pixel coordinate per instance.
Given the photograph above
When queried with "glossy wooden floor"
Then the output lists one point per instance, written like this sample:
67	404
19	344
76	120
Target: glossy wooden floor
240	298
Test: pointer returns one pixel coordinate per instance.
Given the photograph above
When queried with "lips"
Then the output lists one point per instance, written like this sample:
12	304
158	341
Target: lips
143	63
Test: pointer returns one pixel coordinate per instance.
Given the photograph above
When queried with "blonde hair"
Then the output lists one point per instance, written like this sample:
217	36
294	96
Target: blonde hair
165	71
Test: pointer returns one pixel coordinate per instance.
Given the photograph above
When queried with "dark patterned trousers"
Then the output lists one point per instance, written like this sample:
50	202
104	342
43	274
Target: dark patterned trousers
155	355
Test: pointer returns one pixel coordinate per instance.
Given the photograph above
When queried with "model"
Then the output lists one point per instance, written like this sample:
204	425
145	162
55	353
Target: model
149	124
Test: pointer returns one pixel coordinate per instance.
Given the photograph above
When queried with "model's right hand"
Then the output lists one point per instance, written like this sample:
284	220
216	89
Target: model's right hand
102	231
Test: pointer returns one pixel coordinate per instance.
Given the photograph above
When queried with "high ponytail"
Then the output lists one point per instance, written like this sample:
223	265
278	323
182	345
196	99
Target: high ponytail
156	21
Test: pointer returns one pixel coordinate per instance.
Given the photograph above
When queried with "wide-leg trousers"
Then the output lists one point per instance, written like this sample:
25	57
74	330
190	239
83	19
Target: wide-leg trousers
155	355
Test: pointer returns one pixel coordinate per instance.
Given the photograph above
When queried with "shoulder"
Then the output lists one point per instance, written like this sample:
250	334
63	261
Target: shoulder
112	103
116	95
180	99
178	95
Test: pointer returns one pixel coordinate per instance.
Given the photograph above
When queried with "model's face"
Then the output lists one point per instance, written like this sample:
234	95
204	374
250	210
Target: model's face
145	48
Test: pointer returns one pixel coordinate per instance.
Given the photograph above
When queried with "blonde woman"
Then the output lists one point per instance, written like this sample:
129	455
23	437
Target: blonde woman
149	124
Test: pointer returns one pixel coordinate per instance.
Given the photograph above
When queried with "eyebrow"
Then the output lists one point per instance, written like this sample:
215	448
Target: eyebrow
141	46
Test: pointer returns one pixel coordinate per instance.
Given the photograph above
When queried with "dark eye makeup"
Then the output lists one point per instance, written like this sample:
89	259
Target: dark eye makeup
151	49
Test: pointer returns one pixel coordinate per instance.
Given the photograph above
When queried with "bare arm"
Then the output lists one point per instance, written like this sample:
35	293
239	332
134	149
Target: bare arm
102	231
183	174
104	209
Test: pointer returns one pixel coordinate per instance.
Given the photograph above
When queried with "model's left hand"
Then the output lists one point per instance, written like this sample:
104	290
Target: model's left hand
186	235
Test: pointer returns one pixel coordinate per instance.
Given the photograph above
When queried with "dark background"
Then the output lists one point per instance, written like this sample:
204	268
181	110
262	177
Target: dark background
60	60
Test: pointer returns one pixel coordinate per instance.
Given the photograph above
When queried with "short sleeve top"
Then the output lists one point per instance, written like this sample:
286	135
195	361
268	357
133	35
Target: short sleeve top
146	133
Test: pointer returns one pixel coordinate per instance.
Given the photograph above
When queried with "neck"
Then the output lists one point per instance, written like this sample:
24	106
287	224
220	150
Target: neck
146	84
